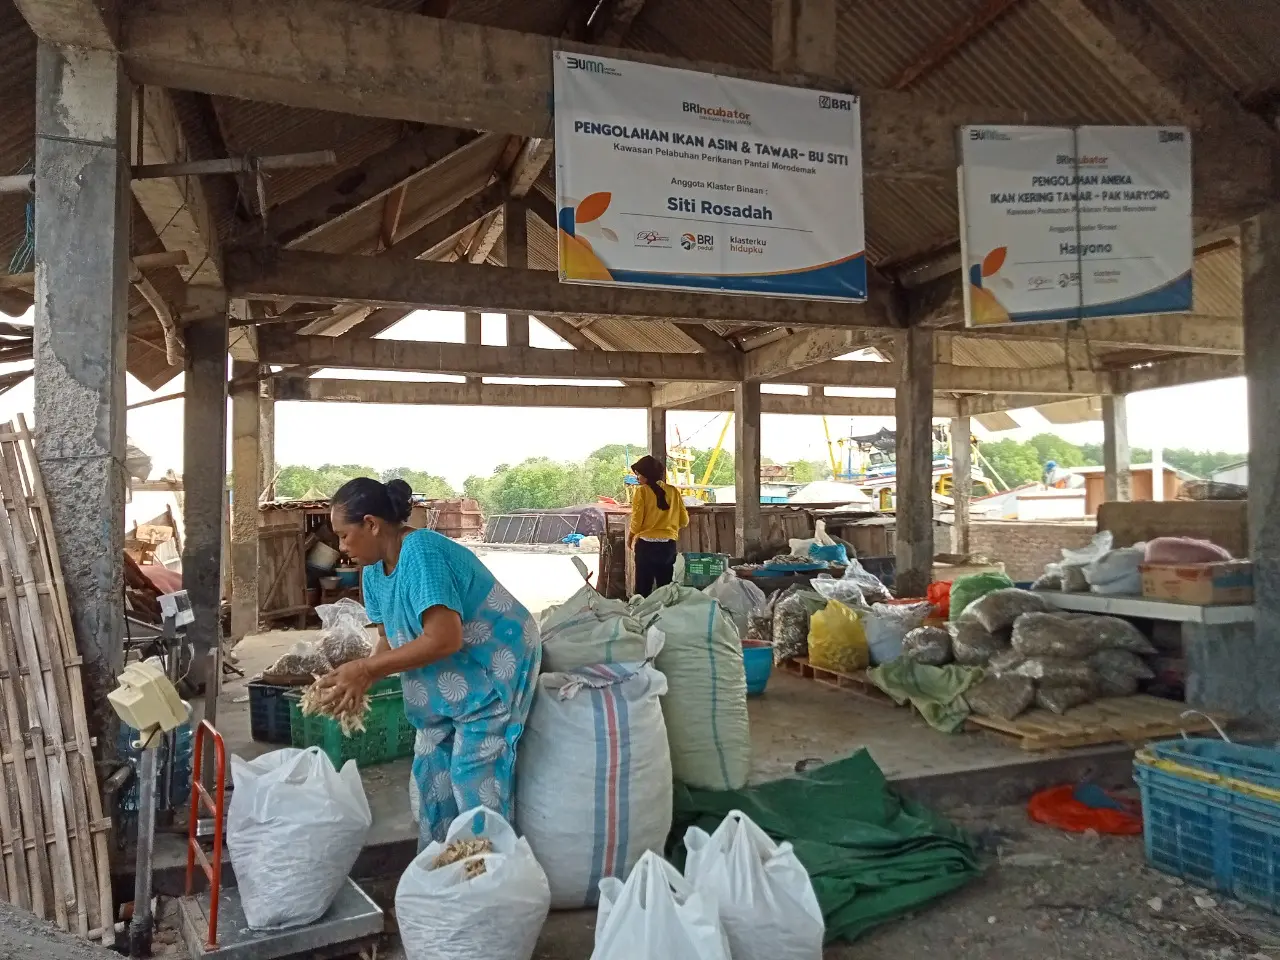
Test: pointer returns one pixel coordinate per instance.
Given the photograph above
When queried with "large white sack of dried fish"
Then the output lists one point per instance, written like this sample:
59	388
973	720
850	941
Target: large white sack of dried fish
455	912
294	830
593	776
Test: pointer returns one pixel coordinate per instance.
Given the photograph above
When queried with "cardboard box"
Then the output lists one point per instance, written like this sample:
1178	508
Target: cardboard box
1224	582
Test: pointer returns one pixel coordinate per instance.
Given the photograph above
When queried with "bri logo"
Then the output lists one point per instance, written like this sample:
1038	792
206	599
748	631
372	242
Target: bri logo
697	241
828	102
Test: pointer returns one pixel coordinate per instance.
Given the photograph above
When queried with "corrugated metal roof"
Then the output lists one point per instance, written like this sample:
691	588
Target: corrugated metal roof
1238	40
642	335
1216	283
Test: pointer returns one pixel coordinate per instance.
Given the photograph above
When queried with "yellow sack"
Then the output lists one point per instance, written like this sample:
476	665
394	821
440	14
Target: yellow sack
837	639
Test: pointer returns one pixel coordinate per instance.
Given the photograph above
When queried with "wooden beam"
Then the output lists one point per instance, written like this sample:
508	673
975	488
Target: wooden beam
804	37
177	207
1165	333
484	361
266	274
612	19
706	338
359	59
980	405
1175	373
350	191
567	332
798	352
950	378
479	394
942	49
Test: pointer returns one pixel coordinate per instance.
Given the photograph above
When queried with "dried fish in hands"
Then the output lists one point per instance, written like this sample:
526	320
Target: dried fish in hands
315	702
462	850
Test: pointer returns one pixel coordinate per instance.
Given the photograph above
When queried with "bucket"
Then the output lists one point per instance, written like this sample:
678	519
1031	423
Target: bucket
349	577
757	661
323	557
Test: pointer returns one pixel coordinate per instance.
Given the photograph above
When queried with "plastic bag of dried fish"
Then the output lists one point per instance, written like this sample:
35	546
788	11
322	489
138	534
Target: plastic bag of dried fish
928	645
299	665
791	624
1057	672
1049	635
1061	699
1113	633
478	895
1001	697
343	637
1118	672
999	609
972	644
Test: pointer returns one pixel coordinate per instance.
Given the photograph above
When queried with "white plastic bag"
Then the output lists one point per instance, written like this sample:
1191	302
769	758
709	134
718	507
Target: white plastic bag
1118	571
343	637
588	629
294	830
593	780
766	900
845	591
657	914
444	915
887	624
740	599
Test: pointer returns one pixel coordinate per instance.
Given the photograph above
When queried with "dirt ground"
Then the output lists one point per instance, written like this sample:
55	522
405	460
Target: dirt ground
1045	894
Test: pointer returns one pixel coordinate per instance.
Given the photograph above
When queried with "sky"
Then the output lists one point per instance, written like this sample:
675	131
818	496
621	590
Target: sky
455	442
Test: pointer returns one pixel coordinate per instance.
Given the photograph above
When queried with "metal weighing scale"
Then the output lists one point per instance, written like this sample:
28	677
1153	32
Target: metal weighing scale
352	925
213	922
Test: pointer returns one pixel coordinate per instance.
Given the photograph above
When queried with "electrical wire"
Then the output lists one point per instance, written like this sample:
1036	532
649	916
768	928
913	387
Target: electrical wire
25	253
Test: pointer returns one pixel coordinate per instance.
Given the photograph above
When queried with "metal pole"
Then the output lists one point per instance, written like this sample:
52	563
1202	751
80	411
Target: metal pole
140	927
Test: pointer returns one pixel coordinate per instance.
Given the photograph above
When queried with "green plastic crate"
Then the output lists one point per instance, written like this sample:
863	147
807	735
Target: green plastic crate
388	735
702	569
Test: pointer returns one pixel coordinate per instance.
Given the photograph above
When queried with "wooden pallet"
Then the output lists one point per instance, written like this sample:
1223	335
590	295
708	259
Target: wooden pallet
1135	719
859	684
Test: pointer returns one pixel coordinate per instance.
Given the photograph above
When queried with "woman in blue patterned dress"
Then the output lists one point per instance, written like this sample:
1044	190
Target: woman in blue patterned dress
466	651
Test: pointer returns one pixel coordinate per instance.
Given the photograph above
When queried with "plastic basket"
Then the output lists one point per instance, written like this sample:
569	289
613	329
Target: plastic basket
387	736
269	713
1211	814
757	661
702	569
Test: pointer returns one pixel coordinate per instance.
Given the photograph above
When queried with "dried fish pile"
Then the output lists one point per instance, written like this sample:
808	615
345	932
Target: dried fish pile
315	702
461	850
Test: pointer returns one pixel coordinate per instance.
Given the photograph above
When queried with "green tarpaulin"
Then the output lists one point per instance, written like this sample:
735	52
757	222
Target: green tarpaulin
872	855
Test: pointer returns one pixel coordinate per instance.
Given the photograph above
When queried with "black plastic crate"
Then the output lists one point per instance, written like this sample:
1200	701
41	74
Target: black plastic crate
269	713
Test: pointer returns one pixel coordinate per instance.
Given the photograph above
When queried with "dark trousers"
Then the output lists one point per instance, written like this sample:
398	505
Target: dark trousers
655	563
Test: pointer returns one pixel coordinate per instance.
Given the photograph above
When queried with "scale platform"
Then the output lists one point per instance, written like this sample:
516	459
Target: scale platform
353	923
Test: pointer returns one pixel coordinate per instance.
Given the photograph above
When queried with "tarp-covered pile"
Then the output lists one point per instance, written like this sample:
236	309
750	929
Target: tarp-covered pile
871	854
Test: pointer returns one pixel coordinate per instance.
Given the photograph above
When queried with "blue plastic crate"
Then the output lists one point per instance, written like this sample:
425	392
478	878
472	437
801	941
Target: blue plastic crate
269	712
1213	820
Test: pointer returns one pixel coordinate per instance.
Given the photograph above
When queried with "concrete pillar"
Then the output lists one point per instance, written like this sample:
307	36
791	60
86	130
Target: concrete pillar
657	422
961	481
746	454
515	225
1116	479
246	488
81	315
474	335
914	510
1260	264
267	434
204	479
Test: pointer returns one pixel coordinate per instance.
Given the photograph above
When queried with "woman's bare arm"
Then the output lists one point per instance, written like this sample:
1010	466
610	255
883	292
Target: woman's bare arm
441	637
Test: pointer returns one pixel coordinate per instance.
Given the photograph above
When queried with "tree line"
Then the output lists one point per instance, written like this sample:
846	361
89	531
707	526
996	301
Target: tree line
541	483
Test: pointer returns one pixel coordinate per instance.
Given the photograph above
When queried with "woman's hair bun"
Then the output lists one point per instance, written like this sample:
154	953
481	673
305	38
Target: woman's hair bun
400	497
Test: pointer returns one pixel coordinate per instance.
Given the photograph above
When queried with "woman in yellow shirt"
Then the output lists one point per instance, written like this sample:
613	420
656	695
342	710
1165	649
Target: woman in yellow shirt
657	516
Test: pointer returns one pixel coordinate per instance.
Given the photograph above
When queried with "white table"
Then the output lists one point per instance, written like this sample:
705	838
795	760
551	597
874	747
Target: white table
1121	606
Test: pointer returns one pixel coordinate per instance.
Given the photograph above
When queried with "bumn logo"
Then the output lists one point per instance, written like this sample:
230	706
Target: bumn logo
591	66
975	134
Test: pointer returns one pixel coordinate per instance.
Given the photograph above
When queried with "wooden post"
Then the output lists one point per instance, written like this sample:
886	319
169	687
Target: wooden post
474	327
1116	479
914	511
746	453
515	227
961	481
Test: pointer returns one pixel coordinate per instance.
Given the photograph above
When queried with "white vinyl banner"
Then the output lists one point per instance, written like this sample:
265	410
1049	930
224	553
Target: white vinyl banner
670	178
1061	223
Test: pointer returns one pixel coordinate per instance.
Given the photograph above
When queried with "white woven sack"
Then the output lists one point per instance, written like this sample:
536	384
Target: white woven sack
593	783
588	629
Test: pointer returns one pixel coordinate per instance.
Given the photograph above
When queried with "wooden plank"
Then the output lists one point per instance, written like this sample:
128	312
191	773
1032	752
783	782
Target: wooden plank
1134	719
858	684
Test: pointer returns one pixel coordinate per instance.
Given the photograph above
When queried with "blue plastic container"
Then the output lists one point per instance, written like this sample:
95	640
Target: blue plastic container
269	713
1216	820
757	660
348	577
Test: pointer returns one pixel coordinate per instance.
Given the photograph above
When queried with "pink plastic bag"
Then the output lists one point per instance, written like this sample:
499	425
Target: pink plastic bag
1184	550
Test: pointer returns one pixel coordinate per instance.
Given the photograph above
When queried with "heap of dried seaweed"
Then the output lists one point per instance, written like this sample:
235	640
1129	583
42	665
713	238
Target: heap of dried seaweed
461	850
316	701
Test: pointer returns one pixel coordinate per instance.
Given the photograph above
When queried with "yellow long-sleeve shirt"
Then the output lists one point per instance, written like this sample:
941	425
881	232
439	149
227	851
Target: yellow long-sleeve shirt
650	523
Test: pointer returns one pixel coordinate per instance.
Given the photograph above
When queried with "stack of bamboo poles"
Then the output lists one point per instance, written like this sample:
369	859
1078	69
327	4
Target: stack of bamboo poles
53	836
